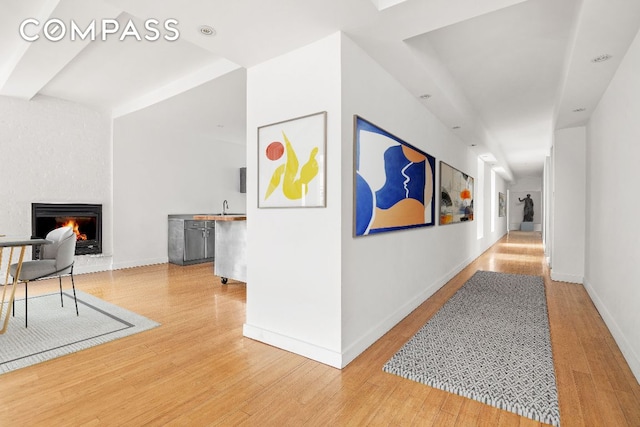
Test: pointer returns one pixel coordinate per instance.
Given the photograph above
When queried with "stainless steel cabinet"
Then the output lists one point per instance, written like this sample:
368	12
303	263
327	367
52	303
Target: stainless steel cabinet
190	241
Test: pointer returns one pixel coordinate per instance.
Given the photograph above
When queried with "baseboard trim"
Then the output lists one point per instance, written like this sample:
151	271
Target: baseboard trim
140	263
627	351
378	331
571	278
86	269
308	350
340	360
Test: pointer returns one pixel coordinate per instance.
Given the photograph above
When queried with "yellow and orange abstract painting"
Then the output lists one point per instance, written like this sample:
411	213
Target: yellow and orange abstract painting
291	163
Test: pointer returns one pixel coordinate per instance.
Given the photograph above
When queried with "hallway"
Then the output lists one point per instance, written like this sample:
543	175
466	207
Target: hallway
197	369
595	384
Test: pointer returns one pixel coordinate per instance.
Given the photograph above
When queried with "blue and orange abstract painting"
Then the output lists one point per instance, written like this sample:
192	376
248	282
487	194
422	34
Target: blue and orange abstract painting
394	182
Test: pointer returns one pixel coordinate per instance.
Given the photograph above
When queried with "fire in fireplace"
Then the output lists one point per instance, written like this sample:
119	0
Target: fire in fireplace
85	219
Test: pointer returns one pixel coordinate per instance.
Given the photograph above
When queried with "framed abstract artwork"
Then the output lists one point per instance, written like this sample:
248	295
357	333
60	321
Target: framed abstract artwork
292	163
502	205
456	195
393	182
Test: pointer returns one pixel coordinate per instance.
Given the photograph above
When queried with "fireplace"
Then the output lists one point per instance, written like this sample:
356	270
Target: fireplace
85	219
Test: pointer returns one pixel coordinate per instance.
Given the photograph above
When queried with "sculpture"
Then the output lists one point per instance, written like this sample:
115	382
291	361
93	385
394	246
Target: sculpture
528	208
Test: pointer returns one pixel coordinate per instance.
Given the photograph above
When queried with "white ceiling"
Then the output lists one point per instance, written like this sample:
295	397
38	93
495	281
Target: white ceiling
503	73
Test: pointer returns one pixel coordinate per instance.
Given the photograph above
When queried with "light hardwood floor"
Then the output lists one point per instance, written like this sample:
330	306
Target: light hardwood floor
198	369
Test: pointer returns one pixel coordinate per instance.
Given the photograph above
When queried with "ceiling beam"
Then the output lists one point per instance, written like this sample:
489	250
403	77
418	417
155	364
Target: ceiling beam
197	78
36	63
22	46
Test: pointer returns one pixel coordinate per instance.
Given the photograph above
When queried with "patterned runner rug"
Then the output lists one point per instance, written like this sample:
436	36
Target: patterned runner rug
490	342
55	331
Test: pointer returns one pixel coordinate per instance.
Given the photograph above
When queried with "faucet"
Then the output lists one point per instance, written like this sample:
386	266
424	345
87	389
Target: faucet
225	206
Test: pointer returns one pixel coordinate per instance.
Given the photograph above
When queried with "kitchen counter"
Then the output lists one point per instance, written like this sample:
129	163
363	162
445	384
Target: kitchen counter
190	241
220	217
229	247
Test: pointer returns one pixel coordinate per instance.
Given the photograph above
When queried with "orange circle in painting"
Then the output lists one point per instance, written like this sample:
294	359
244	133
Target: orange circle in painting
412	155
465	194
275	150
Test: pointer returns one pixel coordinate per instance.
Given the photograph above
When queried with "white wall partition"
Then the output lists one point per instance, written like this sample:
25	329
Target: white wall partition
612	270
569	205
325	293
294	258
494	201
478	200
547	234
388	275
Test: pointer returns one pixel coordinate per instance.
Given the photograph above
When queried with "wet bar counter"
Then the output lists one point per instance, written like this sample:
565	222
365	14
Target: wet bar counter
230	245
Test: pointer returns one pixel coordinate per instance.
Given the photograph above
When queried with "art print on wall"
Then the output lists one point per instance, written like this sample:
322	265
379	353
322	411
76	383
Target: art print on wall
502	205
393	182
456	195
292	163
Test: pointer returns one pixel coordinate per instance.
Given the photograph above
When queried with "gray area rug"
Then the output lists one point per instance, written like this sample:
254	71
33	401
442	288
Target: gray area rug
490	342
55	331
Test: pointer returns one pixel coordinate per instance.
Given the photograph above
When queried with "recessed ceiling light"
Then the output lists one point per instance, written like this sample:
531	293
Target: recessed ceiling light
207	30
425	96
579	110
488	157
456	127
473	145
601	58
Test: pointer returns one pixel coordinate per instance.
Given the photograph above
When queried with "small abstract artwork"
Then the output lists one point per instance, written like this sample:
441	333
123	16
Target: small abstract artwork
456	195
292	163
502	205
394	182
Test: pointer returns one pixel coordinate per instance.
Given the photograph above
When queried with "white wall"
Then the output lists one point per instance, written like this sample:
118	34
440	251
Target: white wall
386	276
54	151
323	293
163	165
294	259
569	206
612	267
547	232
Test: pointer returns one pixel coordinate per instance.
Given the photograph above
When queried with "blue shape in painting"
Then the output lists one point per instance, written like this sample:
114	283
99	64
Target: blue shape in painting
404	179
364	205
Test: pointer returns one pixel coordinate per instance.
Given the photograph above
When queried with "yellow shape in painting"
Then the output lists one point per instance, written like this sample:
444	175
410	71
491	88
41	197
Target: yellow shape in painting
275	181
293	188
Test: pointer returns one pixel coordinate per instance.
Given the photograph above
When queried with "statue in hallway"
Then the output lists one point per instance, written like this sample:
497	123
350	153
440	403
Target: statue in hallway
528	208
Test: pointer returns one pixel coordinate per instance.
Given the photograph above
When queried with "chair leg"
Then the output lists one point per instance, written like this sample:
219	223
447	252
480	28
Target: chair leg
26	292
73	285
60	282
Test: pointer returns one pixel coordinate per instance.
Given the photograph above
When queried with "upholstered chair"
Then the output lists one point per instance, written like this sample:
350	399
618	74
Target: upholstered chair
56	260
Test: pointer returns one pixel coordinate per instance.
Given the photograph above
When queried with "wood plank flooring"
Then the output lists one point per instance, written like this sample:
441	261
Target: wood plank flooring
197	369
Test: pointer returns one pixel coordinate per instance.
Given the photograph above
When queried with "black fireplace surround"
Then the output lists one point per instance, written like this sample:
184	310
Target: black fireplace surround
86	219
